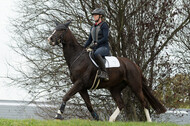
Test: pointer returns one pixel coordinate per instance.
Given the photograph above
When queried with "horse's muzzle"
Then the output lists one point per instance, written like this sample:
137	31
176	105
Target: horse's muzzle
51	42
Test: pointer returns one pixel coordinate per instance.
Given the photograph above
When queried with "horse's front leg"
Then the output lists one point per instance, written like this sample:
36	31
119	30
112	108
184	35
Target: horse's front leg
85	96
76	88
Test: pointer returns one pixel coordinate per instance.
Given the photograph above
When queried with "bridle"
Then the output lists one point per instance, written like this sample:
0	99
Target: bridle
60	40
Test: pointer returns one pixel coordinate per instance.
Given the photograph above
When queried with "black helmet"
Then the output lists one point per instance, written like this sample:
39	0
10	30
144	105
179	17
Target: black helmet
99	11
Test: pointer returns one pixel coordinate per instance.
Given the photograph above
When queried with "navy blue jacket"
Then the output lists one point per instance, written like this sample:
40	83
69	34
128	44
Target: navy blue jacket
102	36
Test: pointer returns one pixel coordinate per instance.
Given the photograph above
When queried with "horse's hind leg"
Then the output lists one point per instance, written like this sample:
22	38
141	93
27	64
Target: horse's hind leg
147	115
141	97
116	94
114	115
137	89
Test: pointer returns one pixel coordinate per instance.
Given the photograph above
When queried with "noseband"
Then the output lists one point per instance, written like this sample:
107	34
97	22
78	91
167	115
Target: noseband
62	41
60	27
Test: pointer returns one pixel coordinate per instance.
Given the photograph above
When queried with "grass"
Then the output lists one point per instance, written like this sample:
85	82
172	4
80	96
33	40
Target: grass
31	122
186	107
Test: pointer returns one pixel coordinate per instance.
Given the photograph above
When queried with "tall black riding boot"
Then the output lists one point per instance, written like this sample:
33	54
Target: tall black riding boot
103	73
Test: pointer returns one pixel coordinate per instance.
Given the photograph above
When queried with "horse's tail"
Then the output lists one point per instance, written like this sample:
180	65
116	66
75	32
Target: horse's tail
156	105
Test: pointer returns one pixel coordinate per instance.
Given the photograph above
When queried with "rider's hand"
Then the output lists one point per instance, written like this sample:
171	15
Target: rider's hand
94	45
88	49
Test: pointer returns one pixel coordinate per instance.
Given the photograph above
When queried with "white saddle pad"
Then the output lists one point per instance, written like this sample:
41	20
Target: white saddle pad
111	61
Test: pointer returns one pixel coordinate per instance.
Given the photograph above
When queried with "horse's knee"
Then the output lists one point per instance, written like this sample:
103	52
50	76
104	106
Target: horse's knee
66	98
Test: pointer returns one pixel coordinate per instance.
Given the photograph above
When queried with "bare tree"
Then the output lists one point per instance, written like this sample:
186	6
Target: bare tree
139	29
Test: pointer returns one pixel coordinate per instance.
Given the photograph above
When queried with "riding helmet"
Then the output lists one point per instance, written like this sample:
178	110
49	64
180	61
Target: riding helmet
99	11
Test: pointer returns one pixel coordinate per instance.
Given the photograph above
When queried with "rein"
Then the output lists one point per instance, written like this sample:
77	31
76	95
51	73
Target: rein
77	58
95	84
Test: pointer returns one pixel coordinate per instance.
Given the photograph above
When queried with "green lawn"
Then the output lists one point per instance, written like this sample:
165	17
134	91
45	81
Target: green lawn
8	122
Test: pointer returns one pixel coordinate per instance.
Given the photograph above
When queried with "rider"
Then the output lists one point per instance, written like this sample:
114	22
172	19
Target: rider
99	37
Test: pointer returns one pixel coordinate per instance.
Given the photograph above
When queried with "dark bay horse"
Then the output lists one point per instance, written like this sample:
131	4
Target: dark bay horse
83	71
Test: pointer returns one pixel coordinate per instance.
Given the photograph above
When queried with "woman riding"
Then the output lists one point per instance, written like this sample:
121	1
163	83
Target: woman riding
99	38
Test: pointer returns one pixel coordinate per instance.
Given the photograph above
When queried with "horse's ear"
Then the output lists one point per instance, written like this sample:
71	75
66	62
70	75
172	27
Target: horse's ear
67	23
57	22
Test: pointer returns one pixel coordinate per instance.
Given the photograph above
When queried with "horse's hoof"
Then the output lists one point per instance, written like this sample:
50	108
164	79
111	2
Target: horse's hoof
95	116
58	117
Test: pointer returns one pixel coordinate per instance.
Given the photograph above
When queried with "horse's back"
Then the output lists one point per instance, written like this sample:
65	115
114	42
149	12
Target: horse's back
129	66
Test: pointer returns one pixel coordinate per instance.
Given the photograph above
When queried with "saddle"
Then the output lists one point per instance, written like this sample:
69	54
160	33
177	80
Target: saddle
110	61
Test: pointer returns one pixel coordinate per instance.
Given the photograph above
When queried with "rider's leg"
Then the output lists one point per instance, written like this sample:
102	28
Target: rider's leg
98	56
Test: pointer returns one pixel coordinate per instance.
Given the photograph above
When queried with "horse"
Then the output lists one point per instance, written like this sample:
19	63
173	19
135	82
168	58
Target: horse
83	72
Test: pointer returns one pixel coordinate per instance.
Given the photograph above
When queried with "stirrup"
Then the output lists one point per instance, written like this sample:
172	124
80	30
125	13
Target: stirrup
103	75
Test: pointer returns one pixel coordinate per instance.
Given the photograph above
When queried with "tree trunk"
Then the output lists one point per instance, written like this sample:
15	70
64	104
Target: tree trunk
133	109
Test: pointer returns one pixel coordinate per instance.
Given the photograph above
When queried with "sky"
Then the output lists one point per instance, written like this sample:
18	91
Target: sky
8	92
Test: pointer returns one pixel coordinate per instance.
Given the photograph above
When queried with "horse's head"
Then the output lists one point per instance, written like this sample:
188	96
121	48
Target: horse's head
58	34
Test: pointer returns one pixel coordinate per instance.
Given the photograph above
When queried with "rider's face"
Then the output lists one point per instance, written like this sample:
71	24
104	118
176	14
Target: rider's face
95	16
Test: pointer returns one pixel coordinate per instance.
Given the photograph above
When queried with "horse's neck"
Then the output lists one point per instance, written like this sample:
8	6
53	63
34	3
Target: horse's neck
71	49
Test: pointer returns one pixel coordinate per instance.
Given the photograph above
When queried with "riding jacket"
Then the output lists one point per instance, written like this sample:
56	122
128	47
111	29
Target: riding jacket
99	34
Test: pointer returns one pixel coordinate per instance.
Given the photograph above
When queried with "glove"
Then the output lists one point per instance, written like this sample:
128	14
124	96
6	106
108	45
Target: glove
94	45
88	49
